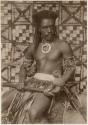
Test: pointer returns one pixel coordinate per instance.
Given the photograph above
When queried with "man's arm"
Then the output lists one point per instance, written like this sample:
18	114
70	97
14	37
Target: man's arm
28	60
68	64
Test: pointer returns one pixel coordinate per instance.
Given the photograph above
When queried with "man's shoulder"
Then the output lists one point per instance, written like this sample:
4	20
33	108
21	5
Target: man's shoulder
62	43
29	50
64	47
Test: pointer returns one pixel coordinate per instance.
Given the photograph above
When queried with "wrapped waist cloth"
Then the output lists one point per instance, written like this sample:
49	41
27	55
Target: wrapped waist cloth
43	76
41	81
23	100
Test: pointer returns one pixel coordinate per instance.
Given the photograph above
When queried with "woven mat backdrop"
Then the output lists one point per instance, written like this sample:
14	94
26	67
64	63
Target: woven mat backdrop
17	33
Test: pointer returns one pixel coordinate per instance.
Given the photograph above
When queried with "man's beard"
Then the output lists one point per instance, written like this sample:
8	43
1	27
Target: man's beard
49	37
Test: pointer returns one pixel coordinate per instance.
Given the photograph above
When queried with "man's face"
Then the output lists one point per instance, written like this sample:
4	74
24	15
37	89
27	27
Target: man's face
47	29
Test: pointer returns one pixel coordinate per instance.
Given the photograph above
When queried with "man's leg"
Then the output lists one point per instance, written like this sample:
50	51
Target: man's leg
39	107
6	99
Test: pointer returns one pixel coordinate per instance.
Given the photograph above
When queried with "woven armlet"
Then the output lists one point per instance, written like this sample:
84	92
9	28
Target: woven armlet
69	63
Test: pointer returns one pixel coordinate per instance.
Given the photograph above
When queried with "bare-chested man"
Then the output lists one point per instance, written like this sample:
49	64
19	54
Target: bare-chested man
54	64
50	55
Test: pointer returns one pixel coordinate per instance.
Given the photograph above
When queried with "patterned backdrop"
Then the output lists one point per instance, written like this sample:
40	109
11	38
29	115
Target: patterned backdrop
17	33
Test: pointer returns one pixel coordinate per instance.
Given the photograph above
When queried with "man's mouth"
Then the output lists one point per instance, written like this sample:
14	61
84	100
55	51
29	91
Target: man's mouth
49	36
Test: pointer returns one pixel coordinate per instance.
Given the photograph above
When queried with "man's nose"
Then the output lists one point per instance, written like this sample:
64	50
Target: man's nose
49	30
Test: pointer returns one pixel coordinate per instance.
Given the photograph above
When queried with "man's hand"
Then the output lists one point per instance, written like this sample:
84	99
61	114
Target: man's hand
48	93
56	90
52	92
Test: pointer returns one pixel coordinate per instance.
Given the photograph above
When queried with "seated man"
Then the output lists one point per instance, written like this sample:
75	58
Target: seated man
51	64
50	55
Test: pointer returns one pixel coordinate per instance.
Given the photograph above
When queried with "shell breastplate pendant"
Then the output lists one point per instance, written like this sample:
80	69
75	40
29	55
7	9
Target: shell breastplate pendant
46	48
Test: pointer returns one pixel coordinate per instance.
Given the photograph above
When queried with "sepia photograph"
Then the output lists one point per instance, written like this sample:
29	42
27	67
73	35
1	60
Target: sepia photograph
43	62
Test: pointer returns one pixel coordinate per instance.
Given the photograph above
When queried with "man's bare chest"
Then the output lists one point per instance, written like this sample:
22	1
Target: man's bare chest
52	55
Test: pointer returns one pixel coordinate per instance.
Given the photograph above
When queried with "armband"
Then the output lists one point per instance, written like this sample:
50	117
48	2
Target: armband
32	70
69	63
28	62
30	66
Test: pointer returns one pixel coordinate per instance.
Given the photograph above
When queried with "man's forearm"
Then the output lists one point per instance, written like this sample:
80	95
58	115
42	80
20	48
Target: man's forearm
69	66
65	77
59	82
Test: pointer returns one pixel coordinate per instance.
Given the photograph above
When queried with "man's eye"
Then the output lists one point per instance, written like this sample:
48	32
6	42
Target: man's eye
50	27
45	28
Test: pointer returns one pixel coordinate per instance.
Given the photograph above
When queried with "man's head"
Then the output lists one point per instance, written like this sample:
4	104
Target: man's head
45	22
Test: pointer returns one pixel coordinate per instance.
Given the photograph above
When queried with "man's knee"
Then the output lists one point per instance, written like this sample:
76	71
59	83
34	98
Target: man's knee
34	115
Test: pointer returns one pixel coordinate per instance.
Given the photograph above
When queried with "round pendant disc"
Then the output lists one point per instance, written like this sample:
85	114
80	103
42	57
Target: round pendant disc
46	48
